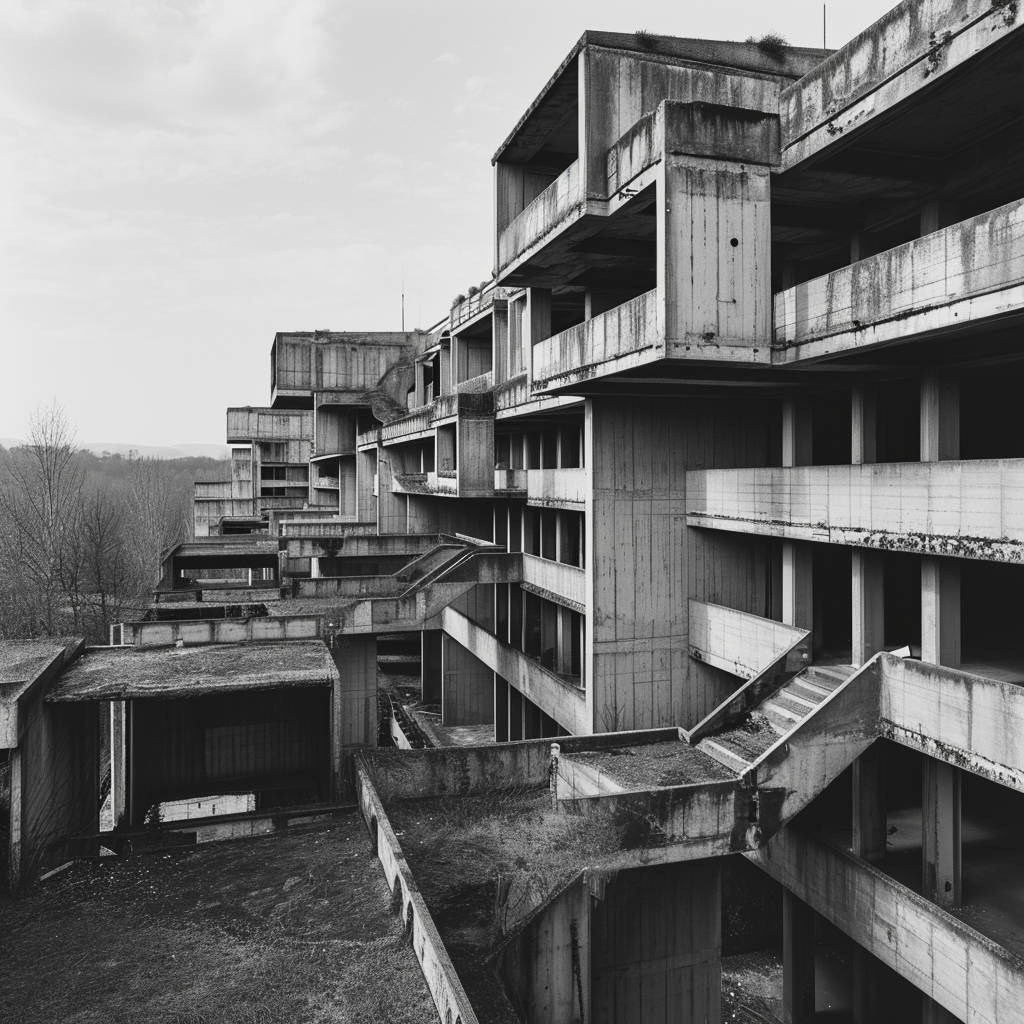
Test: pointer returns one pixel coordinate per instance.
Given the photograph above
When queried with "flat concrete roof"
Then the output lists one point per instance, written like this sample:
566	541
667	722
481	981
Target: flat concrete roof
125	673
23	661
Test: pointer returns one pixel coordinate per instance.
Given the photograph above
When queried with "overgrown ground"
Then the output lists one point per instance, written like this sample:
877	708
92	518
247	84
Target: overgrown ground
484	861
294	927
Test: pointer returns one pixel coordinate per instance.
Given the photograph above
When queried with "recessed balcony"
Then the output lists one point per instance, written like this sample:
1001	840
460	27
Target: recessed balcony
968	509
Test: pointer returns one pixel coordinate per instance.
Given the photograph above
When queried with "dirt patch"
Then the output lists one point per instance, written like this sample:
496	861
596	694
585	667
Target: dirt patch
484	862
653	765
292	927
752	988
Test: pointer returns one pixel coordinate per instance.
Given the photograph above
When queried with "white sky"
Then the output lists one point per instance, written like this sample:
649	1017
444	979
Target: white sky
181	179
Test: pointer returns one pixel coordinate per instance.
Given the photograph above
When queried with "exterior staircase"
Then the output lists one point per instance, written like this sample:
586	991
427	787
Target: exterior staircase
778	716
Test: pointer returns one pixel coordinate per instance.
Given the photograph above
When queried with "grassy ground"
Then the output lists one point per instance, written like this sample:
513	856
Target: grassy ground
294	927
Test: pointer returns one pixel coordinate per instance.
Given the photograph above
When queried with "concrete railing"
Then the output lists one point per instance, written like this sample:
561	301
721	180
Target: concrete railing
252	424
901	53
631	328
544	214
749	646
510	479
557	487
560	581
413	423
968	509
438	971
874	297
221	631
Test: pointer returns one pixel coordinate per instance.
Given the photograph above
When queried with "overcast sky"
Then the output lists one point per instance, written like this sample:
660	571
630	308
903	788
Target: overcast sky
182	179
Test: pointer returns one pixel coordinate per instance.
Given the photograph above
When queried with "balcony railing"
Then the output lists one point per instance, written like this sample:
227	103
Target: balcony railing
629	329
546	212
510	480
568	582
914	287
967	509
249	424
557	487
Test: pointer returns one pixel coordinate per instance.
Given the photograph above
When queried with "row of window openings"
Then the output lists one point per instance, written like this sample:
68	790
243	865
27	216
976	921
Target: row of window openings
554	534
549	633
550	448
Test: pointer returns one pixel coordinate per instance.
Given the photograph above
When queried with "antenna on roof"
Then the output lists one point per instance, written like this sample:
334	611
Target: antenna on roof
824	44
403	305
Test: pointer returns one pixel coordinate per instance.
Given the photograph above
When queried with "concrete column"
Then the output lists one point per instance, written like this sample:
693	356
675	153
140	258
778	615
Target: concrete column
934	1013
798	595
867	995
515	714
864	425
868	604
939	214
940	611
862	245
501	689
656	945
536	321
16	822
353	707
467	686
117	758
796	432
940	832
940	417
797	960
869	798
430	666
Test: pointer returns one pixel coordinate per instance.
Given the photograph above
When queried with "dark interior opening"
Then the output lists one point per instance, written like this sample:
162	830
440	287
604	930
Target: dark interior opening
831	432
833	608
990	412
899	421
901	583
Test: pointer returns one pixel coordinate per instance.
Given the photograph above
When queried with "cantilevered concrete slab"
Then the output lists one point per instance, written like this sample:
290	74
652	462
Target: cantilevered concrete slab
128	673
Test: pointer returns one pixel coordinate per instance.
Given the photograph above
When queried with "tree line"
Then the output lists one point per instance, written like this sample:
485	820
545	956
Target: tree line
81	535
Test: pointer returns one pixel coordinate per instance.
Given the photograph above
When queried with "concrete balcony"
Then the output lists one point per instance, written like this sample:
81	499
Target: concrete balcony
565	703
474	401
557	488
444	483
623	338
258	424
948	280
962	509
893	64
510	481
562	203
556	581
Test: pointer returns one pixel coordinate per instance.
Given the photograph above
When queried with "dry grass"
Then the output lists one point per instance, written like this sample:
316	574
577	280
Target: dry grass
293	927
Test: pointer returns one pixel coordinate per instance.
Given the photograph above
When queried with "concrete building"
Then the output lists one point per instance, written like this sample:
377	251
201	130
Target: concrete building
733	422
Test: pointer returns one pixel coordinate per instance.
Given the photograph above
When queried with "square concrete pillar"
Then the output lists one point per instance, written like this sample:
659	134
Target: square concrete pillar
869	804
866	985
796	432
868	635
940	417
430	666
798	595
798	923
864	425
353	707
467	686
940	833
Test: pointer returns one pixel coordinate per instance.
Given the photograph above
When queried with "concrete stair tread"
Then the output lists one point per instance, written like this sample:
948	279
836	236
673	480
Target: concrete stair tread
723	755
814	695
790	706
797	701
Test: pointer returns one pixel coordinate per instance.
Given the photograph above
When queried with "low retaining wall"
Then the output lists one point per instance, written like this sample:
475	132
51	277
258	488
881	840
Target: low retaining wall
453	1006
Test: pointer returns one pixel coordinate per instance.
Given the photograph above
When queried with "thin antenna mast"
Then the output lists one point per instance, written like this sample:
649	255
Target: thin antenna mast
824	36
403	305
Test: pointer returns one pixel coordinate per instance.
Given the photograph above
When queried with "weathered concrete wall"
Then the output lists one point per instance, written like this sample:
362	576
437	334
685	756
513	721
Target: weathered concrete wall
656	946
259	424
54	786
643	564
467	686
222	631
545	966
449	996
978	981
900	54
353	708
557	698
740	643
966	272
962	509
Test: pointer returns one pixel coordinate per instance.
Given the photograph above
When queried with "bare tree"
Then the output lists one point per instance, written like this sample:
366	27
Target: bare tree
40	502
